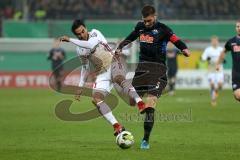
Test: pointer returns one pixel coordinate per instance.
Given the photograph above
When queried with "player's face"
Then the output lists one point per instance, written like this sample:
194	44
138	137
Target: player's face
214	41
149	21
81	33
238	28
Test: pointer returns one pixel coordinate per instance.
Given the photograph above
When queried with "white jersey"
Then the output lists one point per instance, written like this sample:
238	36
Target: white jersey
95	37
213	54
95	50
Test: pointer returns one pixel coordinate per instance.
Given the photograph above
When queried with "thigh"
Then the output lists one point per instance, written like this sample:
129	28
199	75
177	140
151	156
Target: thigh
211	78
220	77
118	68
150	78
103	82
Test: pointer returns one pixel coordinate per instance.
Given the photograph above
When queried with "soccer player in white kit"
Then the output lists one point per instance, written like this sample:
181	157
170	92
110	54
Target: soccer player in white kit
215	78
92	48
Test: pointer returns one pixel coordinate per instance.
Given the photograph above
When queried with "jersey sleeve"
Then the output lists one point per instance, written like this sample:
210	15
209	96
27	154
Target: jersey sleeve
227	45
91	43
205	55
172	37
50	54
131	37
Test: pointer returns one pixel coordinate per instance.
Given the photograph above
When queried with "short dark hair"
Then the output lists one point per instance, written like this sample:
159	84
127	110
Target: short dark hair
148	10
77	23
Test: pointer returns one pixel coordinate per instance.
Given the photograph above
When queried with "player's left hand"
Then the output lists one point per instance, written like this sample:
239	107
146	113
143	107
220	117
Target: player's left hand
217	67
64	39
78	94
117	53
186	52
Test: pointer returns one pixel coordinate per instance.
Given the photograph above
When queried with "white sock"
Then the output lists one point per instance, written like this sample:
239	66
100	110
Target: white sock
136	97
110	118
106	112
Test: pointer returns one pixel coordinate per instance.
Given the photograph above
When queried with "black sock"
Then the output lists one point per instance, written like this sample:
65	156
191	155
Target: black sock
171	86
59	85
148	123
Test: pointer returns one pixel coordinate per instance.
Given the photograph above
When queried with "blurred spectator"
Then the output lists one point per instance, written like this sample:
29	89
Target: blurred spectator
57	56
125	9
18	15
8	12
172	67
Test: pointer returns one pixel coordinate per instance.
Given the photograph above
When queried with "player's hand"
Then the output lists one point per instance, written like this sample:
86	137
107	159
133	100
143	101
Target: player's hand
117	53
78	94
64	39
186	52
217	67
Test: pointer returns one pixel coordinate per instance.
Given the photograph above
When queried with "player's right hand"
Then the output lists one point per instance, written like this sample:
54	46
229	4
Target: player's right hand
64	39
186	52
217	67
117	52
78	94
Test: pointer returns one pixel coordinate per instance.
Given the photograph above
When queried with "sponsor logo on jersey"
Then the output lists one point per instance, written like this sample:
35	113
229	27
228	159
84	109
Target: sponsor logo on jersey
146	38
94	34
236	48
155	31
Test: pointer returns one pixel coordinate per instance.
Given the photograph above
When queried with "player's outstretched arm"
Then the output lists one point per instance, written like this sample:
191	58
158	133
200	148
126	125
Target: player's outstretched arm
176	40
129	39
90	44
180	45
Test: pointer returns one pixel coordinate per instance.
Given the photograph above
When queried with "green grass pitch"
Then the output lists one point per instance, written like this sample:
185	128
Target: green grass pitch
187	128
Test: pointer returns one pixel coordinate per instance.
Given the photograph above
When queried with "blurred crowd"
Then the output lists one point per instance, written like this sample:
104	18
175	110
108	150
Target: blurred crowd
118	9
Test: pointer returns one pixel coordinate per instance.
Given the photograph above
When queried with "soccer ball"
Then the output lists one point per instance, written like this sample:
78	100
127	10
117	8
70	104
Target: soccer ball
125	139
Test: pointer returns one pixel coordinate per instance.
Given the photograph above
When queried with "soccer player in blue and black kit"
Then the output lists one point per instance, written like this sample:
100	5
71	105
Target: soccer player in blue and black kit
150	76
233	45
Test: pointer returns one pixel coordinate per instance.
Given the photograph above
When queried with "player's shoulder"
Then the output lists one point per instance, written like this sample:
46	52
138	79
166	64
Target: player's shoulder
208	50
232	39
161	25
220	48
95	33
139	25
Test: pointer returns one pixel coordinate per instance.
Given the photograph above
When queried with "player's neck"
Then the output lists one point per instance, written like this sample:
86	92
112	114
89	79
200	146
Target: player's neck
87	36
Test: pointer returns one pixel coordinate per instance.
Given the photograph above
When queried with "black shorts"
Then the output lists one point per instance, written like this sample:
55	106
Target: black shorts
150	78
235	80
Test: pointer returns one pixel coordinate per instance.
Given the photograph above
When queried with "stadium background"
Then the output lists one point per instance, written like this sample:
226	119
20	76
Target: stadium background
188	126
27	22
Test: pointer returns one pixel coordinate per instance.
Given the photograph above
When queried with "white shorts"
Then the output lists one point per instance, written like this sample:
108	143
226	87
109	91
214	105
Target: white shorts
216	77
103	82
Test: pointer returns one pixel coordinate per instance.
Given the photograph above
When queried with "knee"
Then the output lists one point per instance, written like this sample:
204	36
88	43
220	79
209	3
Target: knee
119	79
97	97
211	85
151	101
237	95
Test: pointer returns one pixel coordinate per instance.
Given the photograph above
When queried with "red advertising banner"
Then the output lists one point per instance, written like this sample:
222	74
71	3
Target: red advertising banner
32	79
